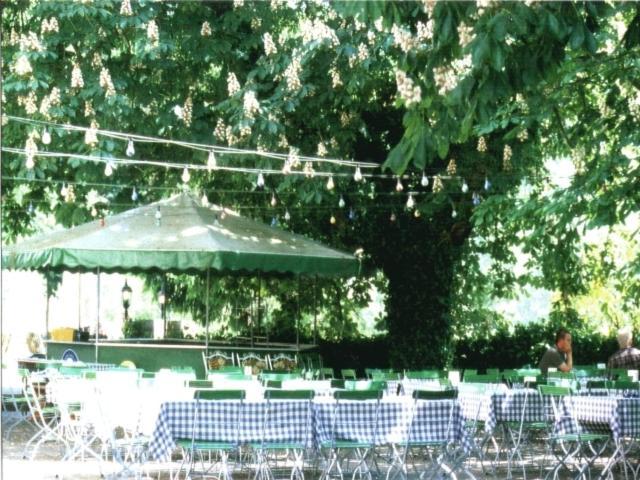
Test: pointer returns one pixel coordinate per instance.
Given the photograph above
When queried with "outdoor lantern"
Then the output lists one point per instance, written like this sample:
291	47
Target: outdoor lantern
161	296
126	299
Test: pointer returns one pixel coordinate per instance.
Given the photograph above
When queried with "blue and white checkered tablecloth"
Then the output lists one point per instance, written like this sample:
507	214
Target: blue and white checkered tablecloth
510	407
436	420
217	422
613	414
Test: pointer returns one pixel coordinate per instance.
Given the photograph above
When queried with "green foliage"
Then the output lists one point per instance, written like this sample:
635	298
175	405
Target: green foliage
138	328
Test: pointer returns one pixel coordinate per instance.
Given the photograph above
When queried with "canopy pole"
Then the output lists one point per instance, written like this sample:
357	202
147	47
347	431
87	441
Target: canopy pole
79	303
97	312
298	317
206	320
315	310
259	322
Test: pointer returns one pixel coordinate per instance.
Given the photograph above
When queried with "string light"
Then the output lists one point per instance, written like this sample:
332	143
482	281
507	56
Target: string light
186	176
424	181
131	151
475	199
399	186
410	202
487	183
108	169
287	215
63	190
416	213
330	184
30	208
465	187
332	220
341	202
392	218
274	222
134	195
211	161
352	214
357	176
30	162
454	214
260	180
204	200
274	202
46	137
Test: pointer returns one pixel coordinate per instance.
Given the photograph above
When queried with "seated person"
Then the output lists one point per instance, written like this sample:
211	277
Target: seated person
627	357
560	356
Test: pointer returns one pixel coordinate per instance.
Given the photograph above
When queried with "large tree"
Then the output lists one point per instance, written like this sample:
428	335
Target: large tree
472	97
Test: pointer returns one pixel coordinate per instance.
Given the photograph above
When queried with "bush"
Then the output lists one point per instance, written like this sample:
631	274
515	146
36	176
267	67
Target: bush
140	328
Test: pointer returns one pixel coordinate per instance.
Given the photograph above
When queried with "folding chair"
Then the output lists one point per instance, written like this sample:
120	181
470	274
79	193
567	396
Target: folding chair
258	363
568	442
215	432
348	374
354	428
627	440
14	399
286	434
283	362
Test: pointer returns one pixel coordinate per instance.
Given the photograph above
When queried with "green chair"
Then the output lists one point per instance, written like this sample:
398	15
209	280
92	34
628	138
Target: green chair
200	384
423	374
348	374
342	453
326	373
274	453
226	441
365	385
573	448
482	378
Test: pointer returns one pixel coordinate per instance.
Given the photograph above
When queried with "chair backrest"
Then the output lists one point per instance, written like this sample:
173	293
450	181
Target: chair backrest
348	374
257	362
217	360
283	361
219	376
435	394
357	394
482	378
423	374
199	384
385	376
214	394
625	385
272	383
289	394
326	373
365	385
355	416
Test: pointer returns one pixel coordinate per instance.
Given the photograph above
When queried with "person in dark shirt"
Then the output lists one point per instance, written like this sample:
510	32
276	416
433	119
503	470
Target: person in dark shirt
559	356
627	357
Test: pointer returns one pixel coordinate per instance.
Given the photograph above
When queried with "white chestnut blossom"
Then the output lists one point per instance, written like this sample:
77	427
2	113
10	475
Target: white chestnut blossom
410	93
482	145
96	60
91	134
378	25
256	23
523	135
205	31
403	39
363	53
45	104
31	150
220	131
125	8
76	77
292	74
30	42
187	111
425	30
106	82
269	45
49	25
336	81
465	34
88	109
250	104
238	3
317	30
22	66
233	86
153	33
29	102
322	149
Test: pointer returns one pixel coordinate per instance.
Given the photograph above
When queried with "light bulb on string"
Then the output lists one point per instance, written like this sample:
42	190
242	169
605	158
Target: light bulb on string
94	212
357	176
341	202
108	169
424	181
64	191
30	162
352	214
204	200
330	183
134	195
392	218
416	213
211	161
186	176
260	180
30	208
399	186
274	201
332	220
410	202
274	221
454	214
287	215
465	187
475	199
131	151
487	183
46	137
